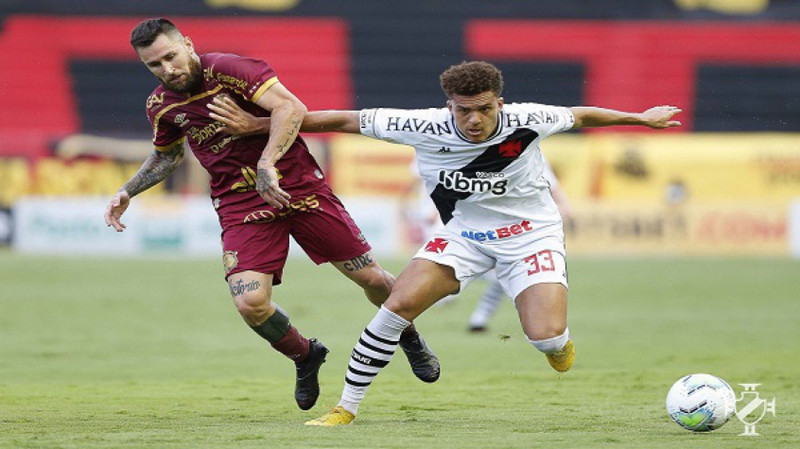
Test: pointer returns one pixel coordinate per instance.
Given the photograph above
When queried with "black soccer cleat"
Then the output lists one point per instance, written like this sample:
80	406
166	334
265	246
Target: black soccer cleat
306	388
477	328
424	363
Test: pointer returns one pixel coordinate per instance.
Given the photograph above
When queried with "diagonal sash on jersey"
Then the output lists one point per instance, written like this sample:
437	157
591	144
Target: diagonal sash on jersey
496	158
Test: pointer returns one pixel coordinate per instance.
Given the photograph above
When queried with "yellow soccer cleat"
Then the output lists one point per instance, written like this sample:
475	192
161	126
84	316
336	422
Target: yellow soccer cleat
562	360
338	416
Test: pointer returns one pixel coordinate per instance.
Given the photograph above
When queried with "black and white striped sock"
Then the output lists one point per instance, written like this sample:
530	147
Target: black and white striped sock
374	350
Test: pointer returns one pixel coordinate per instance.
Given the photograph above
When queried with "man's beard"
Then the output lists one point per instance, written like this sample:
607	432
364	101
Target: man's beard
194	80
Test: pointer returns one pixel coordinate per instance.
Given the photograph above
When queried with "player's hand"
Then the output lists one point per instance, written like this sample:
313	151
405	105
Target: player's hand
659	117
236	121
267	185
116	207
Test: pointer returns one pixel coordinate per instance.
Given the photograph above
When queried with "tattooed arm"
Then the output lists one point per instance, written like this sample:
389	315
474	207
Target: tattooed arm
155	169
286	115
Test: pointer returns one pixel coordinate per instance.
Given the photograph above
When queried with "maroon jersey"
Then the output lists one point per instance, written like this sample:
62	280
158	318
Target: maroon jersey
230	160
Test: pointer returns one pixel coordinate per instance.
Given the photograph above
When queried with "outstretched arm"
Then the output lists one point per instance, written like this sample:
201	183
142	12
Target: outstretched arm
155	169
657	117
331	121
239	122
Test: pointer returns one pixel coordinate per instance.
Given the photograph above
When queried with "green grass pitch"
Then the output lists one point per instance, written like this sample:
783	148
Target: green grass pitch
152	354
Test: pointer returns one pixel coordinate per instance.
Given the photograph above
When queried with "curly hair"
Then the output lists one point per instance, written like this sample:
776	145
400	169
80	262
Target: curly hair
471	78
148	31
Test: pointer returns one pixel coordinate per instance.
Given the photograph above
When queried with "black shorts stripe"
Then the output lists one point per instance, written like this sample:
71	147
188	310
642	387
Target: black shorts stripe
374	348
356	384
376	338
360	373
362	359
491	160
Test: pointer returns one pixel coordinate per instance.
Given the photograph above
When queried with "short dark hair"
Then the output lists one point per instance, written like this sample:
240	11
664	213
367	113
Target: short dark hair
471	78
148	31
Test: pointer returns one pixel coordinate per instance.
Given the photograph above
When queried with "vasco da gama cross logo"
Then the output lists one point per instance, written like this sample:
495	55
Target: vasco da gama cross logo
752	408
436	245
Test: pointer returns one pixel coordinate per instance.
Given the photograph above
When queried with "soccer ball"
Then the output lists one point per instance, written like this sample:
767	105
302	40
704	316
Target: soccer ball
701	402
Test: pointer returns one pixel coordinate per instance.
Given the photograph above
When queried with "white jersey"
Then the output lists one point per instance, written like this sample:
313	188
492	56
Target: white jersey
485	191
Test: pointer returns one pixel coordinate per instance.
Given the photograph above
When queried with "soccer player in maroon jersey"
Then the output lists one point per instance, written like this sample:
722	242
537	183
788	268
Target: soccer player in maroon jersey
263	187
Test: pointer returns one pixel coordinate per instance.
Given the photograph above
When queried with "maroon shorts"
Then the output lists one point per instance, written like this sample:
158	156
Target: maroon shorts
318	222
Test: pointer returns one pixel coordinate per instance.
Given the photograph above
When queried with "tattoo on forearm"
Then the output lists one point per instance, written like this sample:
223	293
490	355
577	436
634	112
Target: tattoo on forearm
263	177
154	170
357	263
288	138
240	287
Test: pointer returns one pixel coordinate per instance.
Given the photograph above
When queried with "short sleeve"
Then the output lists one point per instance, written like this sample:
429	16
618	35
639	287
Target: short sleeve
165	135
366	122
397	125
246	76
544	119
566	122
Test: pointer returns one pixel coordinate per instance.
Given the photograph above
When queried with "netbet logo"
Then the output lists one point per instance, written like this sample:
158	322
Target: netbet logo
500	233
460	183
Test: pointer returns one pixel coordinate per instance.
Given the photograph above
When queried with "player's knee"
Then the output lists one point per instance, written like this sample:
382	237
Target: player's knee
550	339
376	279
404	307
551	330
254	307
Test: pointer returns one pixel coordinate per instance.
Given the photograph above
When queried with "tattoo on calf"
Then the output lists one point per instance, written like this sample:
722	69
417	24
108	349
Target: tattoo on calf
357	263
240	287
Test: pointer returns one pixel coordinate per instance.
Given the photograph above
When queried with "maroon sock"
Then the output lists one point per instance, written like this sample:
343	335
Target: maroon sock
292	345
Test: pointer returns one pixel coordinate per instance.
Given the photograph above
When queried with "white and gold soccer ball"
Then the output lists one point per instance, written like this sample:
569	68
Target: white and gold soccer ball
701	402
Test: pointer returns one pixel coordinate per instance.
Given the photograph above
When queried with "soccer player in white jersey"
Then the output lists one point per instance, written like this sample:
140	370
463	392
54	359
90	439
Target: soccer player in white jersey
423	219
482	167
494	294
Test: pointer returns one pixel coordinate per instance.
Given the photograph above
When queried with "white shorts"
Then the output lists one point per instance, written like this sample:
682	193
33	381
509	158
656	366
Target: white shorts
519	262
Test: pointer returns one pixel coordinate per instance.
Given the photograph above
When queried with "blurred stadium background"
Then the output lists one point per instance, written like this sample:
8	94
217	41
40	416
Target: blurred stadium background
73	128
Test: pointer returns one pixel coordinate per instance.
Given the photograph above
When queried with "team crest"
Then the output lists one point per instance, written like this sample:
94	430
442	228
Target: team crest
512	148
181	120
436	245
230	259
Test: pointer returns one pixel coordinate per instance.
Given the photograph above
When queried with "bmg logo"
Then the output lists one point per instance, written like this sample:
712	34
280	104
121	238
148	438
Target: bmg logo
460	183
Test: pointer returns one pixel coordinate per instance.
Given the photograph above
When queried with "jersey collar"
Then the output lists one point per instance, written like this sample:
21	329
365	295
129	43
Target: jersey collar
495	134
